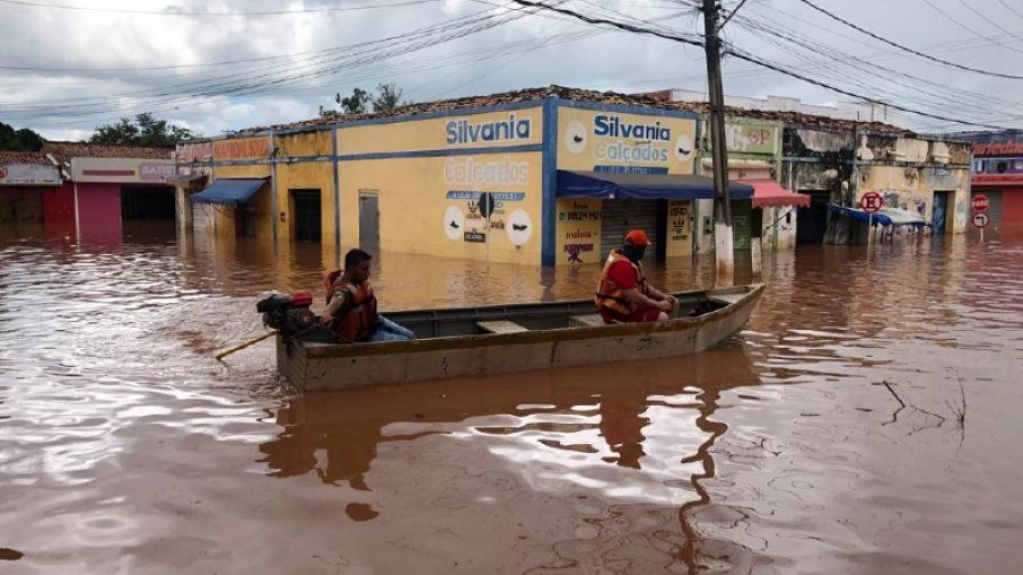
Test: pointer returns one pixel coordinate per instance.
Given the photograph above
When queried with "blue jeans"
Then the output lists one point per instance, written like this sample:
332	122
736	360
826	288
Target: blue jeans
387	330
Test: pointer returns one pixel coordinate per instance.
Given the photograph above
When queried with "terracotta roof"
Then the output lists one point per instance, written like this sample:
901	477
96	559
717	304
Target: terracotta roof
35	158
650	100
64	151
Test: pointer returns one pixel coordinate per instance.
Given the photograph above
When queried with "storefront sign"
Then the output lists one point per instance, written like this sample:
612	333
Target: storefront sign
751	138
998	149
29	175
475	237
994	179
602	141
121	170
519	127
241	149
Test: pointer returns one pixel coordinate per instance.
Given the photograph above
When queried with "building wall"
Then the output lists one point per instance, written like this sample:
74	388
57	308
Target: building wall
247	157
603	138
428	175
305	161
99	211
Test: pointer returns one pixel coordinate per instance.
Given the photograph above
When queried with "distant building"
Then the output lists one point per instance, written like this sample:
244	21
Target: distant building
998	173
853	111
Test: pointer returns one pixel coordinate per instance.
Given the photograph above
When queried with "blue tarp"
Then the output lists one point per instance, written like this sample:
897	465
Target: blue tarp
611	186
228	192
886	217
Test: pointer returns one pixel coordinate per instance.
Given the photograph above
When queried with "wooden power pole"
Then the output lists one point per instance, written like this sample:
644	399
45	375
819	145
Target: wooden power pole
723	243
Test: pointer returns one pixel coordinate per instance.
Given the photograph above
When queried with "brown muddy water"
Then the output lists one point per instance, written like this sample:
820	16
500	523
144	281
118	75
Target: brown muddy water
126	448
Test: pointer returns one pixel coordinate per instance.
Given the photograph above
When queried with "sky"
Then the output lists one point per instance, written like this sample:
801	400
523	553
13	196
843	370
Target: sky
214	66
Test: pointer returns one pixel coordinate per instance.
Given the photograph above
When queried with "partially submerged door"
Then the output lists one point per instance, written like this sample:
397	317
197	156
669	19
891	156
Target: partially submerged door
812	221
369	221
939	217
308	222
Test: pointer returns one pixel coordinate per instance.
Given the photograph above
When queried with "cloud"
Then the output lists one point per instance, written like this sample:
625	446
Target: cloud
221	66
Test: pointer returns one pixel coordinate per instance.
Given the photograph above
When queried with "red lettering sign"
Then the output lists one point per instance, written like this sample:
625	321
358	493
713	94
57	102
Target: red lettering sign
980	203
3	172
998	149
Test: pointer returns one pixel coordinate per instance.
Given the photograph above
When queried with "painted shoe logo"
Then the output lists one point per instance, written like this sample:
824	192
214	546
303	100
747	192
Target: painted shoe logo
575	137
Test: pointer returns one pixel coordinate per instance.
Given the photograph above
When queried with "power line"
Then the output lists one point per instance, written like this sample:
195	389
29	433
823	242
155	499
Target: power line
907	49
959	23
753	60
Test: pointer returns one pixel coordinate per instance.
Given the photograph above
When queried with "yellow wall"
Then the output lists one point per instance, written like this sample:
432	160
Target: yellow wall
679	239
429	204
578	231
427	207
588	139
306	175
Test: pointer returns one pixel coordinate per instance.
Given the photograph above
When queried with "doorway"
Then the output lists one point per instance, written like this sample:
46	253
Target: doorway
307	219
812	221
369	221
939	217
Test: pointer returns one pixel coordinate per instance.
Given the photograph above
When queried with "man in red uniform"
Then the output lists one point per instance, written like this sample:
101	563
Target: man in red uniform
623	294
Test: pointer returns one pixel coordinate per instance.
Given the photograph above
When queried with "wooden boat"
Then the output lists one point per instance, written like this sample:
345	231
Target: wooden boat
519	337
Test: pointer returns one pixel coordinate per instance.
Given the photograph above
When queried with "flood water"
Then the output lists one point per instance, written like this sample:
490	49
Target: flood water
126	448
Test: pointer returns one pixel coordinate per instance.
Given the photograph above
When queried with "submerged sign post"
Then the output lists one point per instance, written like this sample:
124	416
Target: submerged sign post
871	202
980	204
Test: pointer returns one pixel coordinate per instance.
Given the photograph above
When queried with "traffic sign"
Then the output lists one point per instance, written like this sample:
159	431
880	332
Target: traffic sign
486	204
981	220
980	203
3	172
871	202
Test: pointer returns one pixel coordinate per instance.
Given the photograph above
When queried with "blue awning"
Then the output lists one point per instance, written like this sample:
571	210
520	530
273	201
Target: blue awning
229	192
610	186
885	217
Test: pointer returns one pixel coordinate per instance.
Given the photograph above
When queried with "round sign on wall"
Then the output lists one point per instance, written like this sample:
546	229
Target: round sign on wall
454	222
520	227
980	203
871	202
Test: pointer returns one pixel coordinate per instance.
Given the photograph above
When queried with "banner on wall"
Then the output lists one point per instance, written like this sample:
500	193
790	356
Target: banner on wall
29	175
603	141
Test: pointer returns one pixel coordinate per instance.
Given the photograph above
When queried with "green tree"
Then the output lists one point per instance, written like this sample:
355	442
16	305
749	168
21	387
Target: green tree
144	130
354	104
388	98
23	140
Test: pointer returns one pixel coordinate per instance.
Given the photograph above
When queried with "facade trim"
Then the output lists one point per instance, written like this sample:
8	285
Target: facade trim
549	185
337	193
442	153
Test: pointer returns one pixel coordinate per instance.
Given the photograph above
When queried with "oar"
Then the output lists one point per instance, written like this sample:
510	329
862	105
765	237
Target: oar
244	345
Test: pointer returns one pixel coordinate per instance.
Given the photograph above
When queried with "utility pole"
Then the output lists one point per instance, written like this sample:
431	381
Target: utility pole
723	244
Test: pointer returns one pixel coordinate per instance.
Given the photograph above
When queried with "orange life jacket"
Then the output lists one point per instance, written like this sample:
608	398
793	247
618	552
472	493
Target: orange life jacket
609	294
358	318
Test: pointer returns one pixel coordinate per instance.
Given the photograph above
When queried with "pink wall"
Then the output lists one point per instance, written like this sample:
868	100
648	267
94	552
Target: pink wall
1012	206
59	206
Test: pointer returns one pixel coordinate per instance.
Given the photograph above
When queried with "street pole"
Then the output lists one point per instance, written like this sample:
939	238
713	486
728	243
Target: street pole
723	242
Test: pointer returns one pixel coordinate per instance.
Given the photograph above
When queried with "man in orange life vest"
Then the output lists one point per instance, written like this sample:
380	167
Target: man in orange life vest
623	294
352	308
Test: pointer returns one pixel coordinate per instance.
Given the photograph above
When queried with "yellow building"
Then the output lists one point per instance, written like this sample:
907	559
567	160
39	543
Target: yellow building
550	176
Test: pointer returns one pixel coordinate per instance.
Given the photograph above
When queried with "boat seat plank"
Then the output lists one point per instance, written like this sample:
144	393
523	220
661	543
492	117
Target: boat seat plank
501	326
728	298
587	320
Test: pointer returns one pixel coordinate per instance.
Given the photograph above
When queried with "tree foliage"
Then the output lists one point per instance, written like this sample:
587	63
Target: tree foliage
144	130
23	140
386	99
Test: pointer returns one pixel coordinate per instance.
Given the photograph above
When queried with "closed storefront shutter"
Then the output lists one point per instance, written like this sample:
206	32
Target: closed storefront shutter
620	216
994	210
1012	206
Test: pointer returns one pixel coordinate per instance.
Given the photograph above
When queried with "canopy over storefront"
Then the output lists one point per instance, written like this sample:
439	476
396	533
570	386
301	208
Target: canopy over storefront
229	192
884	217
612	186
769	194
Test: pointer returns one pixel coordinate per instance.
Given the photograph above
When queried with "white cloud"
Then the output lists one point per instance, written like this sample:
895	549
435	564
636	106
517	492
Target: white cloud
286	66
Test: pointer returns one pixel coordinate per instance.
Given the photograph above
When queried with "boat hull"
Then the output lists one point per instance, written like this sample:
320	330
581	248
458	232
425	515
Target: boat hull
313	366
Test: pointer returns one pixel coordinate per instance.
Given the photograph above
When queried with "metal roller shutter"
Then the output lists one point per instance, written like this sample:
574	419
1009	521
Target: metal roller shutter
620	216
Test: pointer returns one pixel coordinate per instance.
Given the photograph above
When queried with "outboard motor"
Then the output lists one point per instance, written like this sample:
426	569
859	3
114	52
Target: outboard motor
288	313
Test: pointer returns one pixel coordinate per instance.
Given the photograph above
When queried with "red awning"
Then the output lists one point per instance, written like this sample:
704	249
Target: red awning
769	193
